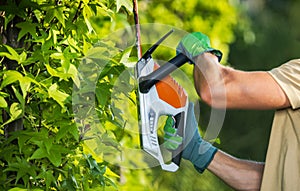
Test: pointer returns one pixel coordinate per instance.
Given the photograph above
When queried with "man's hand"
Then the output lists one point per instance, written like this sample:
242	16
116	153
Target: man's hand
171	140
194	44
196	150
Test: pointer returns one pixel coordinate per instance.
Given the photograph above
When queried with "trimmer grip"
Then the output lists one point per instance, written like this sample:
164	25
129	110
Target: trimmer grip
180	126
146	82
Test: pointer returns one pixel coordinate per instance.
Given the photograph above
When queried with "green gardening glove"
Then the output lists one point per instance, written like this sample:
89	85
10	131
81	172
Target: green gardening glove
196	150
194	44
171	139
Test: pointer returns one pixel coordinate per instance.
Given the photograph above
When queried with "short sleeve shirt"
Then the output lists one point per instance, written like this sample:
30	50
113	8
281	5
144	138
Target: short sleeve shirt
282	168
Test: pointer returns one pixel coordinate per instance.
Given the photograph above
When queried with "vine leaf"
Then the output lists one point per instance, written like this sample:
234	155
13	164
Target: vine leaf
26	27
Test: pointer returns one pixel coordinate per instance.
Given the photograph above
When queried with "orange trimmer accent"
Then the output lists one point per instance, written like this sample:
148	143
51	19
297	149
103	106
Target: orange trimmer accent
170	91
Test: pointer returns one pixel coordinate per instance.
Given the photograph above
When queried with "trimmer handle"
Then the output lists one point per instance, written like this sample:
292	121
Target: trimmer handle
146	82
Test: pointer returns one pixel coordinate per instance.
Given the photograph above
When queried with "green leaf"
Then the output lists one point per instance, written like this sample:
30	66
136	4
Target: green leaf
58	12
23	168
126	58
59	96
39	153
54	33
15	112
62	132
51	71
74	131
103	93
3	103
10	76
27	27
110	182
8	19
67	128
25	83
93	165
57	55
47	149
19	97
126	3
65	58
23	57
58	72
12	54
48	144
55	157
3	94
74	75
22	140
18	189
87	14
73	43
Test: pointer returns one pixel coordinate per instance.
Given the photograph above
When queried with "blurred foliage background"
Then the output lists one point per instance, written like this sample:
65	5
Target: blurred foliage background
48	43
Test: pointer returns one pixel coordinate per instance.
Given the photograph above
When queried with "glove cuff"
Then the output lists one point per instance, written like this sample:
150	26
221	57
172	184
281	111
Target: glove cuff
217	53
204	159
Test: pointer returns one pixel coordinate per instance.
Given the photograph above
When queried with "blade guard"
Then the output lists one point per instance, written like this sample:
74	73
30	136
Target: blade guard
166	97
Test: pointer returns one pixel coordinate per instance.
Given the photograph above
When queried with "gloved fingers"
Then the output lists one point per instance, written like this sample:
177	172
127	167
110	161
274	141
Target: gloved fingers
169	129
172	142
181	49
195	44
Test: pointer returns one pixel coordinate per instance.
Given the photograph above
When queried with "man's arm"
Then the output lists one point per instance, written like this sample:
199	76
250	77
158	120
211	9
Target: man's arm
224	87
237	173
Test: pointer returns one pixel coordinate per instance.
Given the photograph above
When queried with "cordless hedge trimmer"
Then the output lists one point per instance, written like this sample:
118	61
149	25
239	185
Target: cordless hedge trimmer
159	94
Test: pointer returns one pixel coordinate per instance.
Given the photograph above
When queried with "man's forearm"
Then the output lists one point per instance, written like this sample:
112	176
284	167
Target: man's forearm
209	80
224	87
239	174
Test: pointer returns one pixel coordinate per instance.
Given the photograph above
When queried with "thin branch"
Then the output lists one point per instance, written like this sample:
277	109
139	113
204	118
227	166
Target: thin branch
77	12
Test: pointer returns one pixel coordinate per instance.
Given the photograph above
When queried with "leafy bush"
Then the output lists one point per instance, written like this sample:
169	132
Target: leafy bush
43	43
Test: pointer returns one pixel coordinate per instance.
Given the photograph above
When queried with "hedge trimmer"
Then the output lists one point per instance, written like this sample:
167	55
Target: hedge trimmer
159	94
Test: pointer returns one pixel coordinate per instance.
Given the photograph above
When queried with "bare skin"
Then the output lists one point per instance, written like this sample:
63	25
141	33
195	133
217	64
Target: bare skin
224	87
237	173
